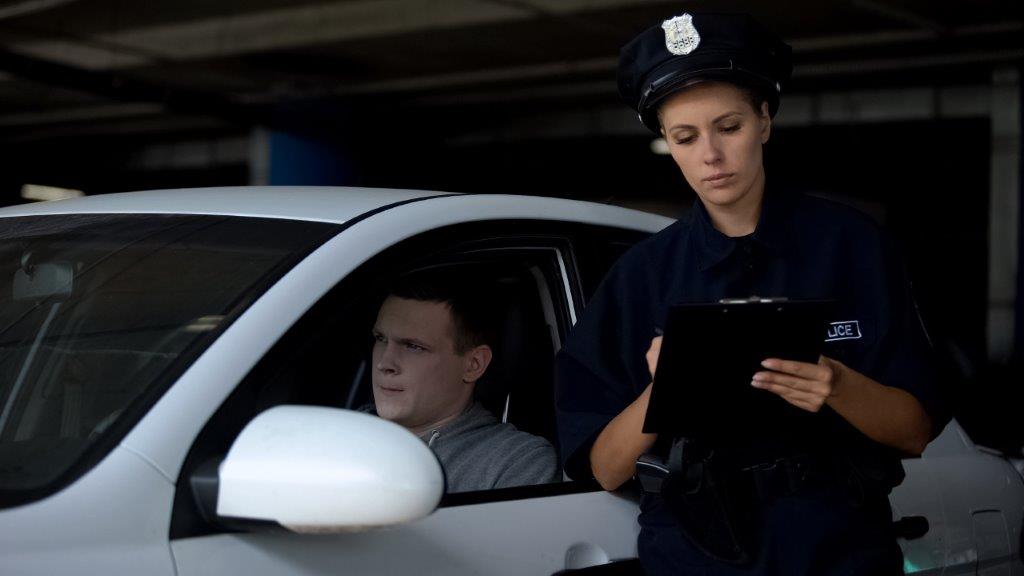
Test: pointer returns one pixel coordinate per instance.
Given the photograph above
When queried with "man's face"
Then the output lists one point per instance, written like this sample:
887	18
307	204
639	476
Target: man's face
418	377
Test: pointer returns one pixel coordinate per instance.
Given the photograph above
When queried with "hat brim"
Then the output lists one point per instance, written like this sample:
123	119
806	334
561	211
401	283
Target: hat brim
671	81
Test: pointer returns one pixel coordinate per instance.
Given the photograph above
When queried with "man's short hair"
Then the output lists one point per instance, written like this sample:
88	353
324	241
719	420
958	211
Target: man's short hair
466	289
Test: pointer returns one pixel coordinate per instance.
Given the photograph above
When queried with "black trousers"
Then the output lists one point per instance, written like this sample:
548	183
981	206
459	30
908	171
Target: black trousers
815	533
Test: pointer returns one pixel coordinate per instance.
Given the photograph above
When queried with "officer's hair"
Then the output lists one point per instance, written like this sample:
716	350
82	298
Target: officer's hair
464	290
753	93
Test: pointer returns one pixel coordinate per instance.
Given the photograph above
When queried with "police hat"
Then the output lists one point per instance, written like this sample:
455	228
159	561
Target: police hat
732	47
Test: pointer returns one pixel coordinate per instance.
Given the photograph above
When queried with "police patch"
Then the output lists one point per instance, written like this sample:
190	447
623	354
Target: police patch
681	37
847	330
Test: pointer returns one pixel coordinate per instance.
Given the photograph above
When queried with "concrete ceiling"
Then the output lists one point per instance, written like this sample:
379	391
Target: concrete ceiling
89	66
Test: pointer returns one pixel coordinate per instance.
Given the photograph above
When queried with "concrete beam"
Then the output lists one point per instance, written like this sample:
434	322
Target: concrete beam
298	26
341	21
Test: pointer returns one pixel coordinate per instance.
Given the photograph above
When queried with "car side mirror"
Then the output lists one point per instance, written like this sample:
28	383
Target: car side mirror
313	469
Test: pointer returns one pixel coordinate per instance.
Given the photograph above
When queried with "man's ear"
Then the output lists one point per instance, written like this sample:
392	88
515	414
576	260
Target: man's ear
478	359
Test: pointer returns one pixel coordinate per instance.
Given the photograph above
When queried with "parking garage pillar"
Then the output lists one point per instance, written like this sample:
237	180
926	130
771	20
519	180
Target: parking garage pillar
1004	213
283	159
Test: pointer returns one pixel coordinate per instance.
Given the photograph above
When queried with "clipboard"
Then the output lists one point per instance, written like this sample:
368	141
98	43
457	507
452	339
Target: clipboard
709	355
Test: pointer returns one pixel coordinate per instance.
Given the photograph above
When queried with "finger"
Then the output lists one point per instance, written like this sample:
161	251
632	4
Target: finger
787	392
802	400
794	382
802	369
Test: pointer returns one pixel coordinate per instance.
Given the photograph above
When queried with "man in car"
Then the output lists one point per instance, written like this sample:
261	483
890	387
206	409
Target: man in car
432	344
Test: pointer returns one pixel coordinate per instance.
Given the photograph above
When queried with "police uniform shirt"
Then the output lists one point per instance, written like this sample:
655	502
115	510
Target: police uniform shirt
802	248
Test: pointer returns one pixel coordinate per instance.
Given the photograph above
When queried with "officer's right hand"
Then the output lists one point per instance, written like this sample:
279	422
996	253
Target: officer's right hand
652	355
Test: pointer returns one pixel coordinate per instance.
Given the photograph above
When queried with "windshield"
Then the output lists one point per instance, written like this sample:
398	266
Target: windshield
100	313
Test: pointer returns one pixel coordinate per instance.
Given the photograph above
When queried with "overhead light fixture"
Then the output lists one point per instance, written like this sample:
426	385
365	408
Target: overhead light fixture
204	324
48	193
660	147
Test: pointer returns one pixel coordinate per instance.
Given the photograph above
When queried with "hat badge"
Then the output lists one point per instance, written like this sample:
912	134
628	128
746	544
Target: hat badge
681	37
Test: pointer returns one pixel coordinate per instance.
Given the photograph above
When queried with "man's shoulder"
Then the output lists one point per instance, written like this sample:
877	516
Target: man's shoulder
518	458
504	440
500	443
493	454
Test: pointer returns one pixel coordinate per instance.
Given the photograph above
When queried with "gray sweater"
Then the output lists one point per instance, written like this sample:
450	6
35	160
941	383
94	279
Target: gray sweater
480	453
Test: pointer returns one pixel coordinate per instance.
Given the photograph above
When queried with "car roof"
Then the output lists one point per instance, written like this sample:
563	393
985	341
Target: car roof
314	203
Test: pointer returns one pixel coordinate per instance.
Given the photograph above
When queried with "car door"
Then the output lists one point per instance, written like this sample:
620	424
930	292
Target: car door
545	529
973	501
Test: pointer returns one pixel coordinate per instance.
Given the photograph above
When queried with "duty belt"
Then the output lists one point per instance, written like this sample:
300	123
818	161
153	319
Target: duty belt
770	480
788	476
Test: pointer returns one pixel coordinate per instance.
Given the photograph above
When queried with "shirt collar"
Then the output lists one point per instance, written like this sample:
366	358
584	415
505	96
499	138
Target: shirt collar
773	230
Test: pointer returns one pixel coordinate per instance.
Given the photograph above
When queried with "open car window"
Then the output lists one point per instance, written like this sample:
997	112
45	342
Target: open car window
99	313
324	359
331	362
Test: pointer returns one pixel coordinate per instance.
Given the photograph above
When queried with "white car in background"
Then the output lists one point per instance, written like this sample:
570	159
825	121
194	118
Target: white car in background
174	367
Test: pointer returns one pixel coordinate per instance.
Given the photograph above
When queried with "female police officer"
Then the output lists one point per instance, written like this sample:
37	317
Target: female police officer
710	85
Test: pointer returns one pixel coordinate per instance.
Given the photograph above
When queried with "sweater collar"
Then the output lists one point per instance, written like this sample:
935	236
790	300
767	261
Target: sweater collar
474	416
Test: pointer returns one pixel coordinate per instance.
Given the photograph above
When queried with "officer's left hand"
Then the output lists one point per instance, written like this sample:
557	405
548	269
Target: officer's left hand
804	385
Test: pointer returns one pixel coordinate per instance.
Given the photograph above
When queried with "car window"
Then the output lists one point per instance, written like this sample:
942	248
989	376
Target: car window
98	312
511	403
325	359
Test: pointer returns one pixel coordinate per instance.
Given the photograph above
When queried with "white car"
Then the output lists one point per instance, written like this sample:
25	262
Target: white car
175	368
